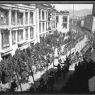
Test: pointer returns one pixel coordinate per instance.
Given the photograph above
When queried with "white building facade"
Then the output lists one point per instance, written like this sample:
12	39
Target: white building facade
45	20
63	21
17	27
21	25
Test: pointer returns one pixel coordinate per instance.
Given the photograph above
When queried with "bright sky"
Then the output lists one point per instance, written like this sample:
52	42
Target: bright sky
70	6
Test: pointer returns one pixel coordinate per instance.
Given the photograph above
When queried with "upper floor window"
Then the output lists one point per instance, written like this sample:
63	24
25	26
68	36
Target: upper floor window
53	24
65	19
40	27
42	15
4	17
13	17
39	14
57	19
26	17
26	33
43	26
19	18
5	38
31	32
64	25
46	14
31	18
20	35
13	36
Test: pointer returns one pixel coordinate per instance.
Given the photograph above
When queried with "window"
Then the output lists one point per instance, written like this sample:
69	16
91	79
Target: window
31	17
5	38
64	25
64	18
31	32
4	17
19	18
39	14
49	27
43	27
26	17
57	20
53	24
42	15
40	27
13	37
20	35
13	18
26	31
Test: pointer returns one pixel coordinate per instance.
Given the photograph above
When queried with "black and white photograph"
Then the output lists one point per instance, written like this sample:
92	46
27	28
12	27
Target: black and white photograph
47	47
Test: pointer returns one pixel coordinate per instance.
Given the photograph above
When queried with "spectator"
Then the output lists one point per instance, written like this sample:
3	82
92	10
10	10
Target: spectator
13	85
3	77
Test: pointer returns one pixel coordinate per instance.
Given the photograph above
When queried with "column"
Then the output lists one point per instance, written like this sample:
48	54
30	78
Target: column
0	45
24	25
41	14
45	26
10	38
28	17
34	18
45	15
24	36
10	32
9	17
29	33
47	20
37	25
0	41
34	22
23	18
41	27
16	36
15	17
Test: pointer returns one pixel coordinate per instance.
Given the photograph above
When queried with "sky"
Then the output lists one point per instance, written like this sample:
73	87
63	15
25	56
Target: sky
70	6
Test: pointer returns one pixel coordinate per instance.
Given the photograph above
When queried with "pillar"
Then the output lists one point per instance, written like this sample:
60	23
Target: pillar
24	28
23	18
37	25
0	45
9	17
29	33
10	31
28	17
41	27
45	26
34	23
10	38
16	36
15	17
41	14
24	36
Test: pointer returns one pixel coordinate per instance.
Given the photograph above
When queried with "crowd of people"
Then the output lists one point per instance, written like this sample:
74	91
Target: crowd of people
84	70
